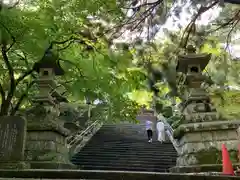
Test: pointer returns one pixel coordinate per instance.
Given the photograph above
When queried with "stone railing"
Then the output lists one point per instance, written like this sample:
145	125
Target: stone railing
169	132
79	140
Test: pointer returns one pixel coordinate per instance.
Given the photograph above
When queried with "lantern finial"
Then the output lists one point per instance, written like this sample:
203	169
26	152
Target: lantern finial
191	49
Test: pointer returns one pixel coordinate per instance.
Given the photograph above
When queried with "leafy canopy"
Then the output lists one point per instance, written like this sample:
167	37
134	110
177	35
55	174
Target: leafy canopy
83	34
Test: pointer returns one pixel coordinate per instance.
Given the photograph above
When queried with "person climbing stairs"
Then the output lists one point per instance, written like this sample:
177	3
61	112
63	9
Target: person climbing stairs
123	147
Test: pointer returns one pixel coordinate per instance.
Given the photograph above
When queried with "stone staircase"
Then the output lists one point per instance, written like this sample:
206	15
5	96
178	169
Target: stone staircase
124	147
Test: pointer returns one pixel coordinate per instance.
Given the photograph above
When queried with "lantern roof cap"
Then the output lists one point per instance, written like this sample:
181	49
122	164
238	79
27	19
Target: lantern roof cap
49	60
192	58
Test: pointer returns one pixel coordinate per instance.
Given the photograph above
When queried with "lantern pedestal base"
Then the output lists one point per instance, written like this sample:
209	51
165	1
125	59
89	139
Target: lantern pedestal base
46	146
14	165
200	144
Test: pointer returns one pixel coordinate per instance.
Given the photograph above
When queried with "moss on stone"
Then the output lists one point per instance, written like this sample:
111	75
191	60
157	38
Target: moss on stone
209	156
214	156
179	132
233	156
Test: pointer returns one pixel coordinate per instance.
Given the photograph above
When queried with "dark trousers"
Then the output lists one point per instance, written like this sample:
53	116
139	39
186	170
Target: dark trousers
150	134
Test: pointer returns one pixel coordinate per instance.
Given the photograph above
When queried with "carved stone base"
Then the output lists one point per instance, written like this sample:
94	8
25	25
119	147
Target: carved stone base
201	143
14	165
45	146
202	117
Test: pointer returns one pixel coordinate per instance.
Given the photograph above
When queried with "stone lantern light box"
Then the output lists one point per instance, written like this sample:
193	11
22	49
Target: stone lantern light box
192	65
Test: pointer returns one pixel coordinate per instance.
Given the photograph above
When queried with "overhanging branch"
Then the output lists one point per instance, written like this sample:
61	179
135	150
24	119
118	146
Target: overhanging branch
228	22
14	5
191	26
24	76
230	33
12	37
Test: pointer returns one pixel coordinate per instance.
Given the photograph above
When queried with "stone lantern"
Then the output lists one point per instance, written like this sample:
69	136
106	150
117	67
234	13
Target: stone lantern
197	106
202	132
46	147
48	67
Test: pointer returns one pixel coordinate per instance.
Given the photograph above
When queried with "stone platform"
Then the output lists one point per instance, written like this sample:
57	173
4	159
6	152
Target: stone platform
199	168
106	175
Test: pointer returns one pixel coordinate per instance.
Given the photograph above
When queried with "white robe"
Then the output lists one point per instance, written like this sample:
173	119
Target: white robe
161	131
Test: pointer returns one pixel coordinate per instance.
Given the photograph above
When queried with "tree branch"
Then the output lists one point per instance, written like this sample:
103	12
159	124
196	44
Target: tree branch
27	73
23	96
145	15
145	4
72	63
6	103
228	22
13	38
191	25
14	5
230	33
2	93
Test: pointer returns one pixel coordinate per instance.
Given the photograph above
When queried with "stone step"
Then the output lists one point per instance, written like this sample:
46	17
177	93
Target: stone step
125	168
116	162
113	157
134	145
42	174
127	142
129	146
125	148
125	164
129	153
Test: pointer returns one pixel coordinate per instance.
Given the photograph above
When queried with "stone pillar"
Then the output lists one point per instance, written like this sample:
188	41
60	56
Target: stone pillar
202	133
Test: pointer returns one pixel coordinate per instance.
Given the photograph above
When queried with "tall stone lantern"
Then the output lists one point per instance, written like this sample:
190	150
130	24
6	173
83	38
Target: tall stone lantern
202	133
46	147
197	106
48	67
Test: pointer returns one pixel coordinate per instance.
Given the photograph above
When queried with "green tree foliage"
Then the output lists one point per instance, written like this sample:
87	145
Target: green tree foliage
92	69
84	33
